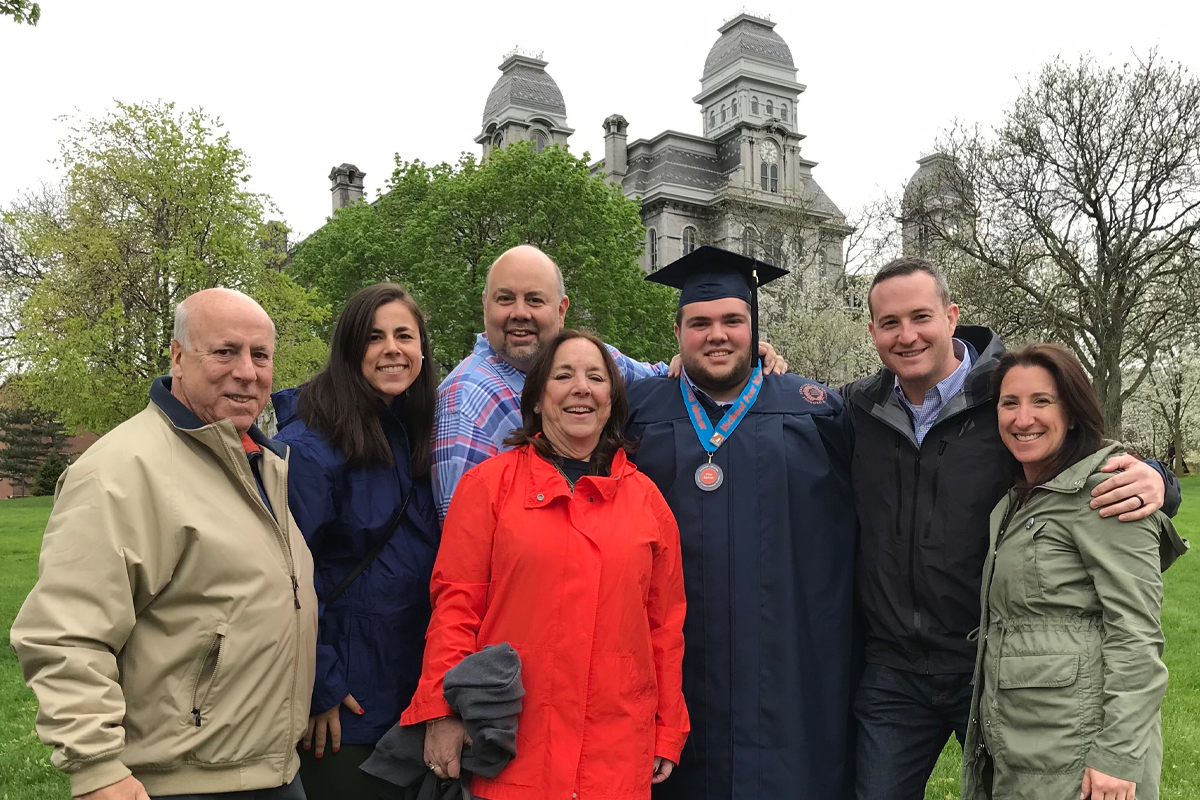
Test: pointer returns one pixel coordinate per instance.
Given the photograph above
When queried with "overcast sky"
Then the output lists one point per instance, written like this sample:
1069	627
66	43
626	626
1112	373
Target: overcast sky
303	86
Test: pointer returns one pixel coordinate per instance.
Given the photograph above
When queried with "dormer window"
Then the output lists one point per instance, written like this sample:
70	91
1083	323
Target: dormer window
539	141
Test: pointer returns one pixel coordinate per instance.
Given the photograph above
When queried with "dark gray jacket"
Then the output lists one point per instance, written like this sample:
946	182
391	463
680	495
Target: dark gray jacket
485	690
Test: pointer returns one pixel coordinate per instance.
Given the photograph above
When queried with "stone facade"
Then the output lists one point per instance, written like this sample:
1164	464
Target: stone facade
744	183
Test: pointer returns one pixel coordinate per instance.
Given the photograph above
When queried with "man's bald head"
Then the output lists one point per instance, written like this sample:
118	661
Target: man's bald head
528	256
205	299
222	357
524	304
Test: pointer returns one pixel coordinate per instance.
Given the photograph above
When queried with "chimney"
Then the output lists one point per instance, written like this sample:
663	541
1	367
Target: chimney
346	184
615	152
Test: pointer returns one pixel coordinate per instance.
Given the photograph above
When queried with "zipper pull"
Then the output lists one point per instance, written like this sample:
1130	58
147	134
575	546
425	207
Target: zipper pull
196	714
295	594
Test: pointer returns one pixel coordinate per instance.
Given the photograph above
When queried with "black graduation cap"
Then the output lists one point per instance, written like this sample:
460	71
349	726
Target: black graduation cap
710	273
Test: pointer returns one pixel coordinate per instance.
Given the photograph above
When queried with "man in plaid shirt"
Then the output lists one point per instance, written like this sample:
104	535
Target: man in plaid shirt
479	403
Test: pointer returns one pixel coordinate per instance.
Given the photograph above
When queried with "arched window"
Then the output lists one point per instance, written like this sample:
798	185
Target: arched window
770	108
652	248
689	239
749	237
754	106
498	139
783	112
775	178
764	175
722	112
733	107
773	248
539	141
823	265
712	119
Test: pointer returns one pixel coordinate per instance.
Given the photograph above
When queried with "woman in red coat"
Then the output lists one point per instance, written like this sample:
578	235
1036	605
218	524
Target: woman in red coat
563	549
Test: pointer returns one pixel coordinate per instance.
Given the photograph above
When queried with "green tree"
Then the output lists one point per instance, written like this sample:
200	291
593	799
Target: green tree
21	10
45	481
155	208
437	229
28	438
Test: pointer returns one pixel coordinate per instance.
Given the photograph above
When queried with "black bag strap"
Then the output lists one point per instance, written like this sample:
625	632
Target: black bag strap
393	525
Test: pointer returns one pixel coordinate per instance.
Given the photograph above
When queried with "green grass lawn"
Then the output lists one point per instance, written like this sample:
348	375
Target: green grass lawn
26	774
25	771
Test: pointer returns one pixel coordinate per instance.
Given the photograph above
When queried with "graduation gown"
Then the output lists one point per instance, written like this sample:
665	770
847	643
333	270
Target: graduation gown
768	563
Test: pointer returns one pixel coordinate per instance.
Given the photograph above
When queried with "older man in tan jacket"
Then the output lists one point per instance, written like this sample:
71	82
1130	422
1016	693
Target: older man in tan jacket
170	636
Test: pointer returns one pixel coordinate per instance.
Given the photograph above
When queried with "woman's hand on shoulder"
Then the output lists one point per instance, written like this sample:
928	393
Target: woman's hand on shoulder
662	769
1098	786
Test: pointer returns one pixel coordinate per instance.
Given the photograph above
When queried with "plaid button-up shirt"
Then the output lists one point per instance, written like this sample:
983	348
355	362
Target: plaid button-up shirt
479	405
924	415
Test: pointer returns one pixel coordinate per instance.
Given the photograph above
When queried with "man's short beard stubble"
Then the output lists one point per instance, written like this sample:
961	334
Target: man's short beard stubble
717	384
522	356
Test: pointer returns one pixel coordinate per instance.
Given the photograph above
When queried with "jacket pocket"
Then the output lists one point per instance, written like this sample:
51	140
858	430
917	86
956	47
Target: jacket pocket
1034	555
207	675
1039	712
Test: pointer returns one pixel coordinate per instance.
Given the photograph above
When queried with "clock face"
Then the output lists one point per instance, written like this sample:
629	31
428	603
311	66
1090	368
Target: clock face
768	152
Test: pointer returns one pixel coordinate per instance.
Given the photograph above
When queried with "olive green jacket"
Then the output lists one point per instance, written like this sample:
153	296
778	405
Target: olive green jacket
1069	672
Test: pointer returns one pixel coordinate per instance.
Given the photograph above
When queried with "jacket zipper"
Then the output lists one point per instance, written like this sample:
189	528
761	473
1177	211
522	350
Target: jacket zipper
899	486
207	676
276	528
937	469
912	551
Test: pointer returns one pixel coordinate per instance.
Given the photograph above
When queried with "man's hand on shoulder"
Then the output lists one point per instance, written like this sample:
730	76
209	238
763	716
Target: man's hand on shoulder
1134	493
129	788
773	363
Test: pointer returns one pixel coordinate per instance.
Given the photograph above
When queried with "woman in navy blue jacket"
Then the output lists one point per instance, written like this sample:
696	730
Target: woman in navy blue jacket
359	476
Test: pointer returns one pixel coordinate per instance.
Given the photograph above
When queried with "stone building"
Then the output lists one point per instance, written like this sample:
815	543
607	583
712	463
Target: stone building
933	205
742	184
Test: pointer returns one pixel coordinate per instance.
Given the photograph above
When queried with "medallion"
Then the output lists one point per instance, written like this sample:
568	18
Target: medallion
709	477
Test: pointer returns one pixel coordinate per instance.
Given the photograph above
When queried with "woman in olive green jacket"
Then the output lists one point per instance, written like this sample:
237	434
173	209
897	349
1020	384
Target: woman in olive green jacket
1069	677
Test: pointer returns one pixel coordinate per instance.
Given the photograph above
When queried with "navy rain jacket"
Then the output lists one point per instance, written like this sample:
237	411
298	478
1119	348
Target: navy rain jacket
371	640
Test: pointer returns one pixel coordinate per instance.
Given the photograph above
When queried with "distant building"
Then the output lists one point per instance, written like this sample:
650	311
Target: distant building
743	184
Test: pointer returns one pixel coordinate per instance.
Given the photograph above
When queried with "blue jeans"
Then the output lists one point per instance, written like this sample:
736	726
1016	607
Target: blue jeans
289	791
903	721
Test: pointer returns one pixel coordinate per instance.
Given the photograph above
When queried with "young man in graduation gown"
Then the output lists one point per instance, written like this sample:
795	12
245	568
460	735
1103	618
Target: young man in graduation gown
756	470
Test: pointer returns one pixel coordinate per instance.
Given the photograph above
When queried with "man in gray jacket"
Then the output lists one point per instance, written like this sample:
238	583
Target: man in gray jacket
170	636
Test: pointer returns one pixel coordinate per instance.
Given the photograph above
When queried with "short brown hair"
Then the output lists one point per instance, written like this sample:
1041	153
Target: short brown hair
898	268
612	438
1085	421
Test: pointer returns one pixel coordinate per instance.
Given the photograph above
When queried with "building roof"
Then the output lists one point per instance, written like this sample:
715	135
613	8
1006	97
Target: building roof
938	176
747	36
524	83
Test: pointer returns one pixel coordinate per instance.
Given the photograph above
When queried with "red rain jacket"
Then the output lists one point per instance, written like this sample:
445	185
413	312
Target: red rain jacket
589	590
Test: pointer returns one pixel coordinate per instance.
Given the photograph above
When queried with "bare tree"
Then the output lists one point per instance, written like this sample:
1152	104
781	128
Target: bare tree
1085	214
1171	394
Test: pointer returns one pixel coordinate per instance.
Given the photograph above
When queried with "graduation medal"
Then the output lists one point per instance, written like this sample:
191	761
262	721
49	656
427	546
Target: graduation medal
710	476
